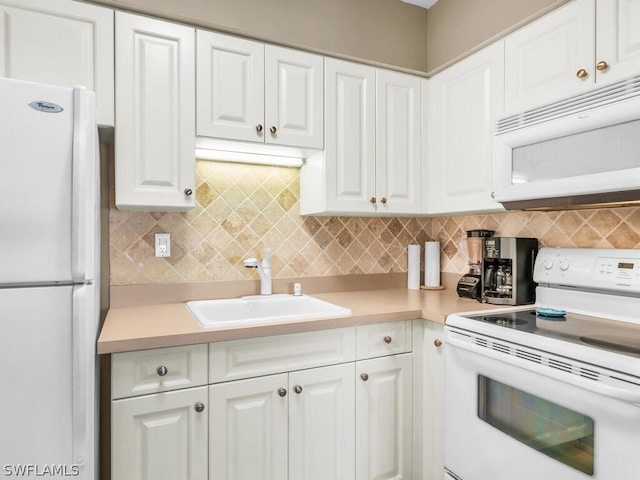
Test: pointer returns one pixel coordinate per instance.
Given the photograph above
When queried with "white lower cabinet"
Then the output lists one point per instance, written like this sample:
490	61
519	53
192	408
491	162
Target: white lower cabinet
297	424
321	423
384	418
248	422
275	408
161	436
428	394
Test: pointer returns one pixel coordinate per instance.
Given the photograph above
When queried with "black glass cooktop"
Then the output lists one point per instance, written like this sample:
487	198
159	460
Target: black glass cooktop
609	335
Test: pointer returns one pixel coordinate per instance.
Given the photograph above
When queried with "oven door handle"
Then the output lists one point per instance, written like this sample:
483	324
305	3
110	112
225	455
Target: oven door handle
575	380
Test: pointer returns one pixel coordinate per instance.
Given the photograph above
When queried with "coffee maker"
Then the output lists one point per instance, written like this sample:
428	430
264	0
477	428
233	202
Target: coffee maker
470	285
507	277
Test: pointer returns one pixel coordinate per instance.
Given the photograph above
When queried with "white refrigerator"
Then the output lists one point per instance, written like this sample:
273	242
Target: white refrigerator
49	295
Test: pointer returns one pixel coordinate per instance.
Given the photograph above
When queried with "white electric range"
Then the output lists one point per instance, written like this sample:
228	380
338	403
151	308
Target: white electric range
550	390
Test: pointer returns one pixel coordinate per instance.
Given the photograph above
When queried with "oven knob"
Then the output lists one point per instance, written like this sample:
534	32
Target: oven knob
564	264
548	264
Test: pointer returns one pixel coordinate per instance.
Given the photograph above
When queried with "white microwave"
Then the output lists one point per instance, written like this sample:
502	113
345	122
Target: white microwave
581	150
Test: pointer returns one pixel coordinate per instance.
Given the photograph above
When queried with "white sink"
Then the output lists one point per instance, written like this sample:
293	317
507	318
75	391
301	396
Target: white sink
261	309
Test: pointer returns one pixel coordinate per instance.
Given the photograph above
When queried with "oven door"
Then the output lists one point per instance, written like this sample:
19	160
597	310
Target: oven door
511	417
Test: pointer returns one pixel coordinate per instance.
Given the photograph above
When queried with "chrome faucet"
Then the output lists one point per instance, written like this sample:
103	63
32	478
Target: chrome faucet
264	270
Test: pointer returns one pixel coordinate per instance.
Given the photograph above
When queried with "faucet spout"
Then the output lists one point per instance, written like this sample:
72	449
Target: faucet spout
264	271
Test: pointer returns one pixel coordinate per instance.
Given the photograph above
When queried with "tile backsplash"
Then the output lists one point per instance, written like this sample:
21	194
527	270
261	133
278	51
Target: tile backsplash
244	209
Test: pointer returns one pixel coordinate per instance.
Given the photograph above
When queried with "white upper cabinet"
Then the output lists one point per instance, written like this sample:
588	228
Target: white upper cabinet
230	87
618	39
155	115
60	42
397	143
568	50
371	159
550	58
342	177
253	92
461	107
293	103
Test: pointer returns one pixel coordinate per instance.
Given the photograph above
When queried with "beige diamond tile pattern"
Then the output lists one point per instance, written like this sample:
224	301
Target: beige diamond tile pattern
243	209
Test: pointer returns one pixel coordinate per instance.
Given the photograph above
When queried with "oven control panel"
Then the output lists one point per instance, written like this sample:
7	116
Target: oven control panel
603	269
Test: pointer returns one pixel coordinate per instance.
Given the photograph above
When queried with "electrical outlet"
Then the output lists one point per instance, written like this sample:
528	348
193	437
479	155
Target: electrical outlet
163	245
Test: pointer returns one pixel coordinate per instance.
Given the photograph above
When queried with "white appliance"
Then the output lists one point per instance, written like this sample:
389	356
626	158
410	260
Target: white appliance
580	150
49	300
557	396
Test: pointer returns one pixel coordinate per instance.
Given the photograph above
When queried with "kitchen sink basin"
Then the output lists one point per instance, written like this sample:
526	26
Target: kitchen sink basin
262	309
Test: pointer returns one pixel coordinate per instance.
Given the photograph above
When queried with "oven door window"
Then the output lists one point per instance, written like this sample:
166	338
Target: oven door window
556	431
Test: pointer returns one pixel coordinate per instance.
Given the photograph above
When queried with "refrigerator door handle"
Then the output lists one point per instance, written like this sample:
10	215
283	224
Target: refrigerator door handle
84	185
80	374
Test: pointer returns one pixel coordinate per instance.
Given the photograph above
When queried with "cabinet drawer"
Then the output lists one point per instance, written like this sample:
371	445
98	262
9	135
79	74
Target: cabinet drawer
253	357
158	370
382	339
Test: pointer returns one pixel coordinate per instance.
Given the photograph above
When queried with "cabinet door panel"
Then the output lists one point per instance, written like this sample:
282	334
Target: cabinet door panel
542	59
321	423
160	436
398	158
248	429
155	141
230	87
618	38
294	97
384	418
463	103
60	43
350	136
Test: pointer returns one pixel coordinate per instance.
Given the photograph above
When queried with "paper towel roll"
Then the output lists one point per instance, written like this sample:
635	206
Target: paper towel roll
413	270
432	264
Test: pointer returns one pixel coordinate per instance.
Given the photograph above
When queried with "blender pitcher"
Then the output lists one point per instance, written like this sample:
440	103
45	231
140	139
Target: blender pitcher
472	247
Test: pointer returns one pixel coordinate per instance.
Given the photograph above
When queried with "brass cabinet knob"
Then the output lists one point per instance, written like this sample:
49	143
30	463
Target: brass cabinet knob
297	389
162	370
582	73
259	128
188	192
282	392
437	342
199	407
383	200
601	66
273	130
364	377
373	200
387	339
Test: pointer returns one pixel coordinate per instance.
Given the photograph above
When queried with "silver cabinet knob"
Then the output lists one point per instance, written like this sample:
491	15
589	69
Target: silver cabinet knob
199	407
282	392
297	389
188	192
259	128
273	130
387	339
364	377
162	370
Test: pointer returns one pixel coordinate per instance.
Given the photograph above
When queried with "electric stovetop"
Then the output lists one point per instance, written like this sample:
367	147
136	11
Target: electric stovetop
608	335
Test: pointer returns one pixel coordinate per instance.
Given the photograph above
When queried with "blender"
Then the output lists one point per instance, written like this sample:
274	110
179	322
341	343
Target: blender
472	246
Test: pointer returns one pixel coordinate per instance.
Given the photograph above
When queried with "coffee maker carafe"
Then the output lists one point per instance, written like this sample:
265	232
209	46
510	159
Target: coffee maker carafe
507	277
470	285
